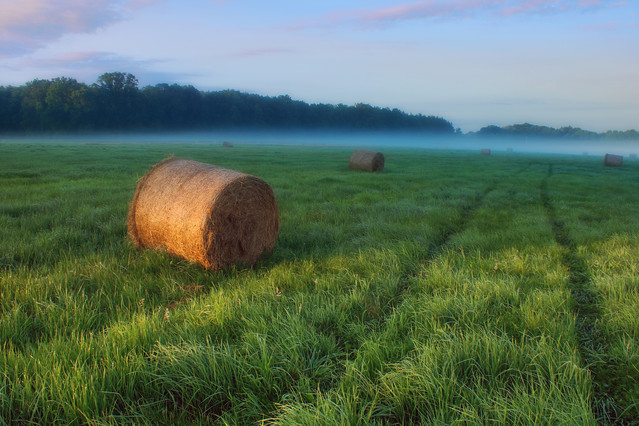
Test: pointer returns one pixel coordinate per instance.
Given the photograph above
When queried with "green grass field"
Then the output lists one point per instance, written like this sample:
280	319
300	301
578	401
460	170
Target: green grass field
451	288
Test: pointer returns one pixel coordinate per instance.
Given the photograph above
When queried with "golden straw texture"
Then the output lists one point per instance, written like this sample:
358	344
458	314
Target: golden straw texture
204	213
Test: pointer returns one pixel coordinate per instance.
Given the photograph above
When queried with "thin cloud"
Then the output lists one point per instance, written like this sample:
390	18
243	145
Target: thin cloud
533	6
556	6
89	60
141	4
607	26
30	24
426	9
451	10
429	10
88	65
257	52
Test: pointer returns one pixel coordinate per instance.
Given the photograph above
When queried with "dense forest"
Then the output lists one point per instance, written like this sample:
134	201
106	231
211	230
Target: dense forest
534	131
116	103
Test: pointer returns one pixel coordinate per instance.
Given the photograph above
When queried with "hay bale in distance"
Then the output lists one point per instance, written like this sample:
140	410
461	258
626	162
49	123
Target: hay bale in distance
613	160
363	159
204	213
632	156
227	144
485	151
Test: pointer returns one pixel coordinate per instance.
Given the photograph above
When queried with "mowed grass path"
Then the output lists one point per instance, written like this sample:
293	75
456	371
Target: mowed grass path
452	287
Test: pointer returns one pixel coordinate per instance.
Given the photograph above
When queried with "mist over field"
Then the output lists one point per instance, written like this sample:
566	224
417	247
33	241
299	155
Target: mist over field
378	140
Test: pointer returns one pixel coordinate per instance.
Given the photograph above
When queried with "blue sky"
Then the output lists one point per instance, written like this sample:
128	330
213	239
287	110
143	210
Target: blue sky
473	62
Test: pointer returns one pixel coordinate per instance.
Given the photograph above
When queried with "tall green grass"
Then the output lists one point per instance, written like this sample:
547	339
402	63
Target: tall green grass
435	292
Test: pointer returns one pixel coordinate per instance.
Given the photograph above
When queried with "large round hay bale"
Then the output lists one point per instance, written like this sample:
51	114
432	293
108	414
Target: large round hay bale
363	159
204	213
484	151
613	160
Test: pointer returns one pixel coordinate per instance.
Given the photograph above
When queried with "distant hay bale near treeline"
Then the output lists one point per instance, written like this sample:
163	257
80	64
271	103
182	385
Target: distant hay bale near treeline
363	159
485	151
227	144
204	213
613	160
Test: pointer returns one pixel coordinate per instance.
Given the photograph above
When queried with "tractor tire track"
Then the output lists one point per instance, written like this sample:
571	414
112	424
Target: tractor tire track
592	344
436	248
445	235
378	326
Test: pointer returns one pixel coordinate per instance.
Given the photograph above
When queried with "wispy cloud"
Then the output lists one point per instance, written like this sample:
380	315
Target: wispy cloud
140	4
86	59
26	25
87	65
556	6
257	52
427	9
606	26
452	10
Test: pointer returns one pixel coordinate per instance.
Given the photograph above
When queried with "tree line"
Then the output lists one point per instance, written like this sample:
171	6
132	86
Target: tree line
568	132
115	103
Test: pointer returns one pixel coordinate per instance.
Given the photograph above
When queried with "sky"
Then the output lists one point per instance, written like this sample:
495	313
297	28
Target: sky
472	62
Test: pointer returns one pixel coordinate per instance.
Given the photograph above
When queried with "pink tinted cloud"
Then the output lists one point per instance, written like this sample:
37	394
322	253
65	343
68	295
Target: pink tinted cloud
454	9
424	9
429	9
556	6
26	25
530	6
51	17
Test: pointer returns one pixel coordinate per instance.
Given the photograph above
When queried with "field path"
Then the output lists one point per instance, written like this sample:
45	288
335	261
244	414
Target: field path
453	228
435	249
592	344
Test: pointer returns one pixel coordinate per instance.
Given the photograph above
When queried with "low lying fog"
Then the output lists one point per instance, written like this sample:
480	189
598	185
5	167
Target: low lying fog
354	139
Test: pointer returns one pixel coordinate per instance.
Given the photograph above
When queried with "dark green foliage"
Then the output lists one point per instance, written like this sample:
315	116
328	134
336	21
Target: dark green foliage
569	132
115	102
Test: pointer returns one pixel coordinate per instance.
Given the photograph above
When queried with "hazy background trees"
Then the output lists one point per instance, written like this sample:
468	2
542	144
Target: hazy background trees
568	132
116	103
